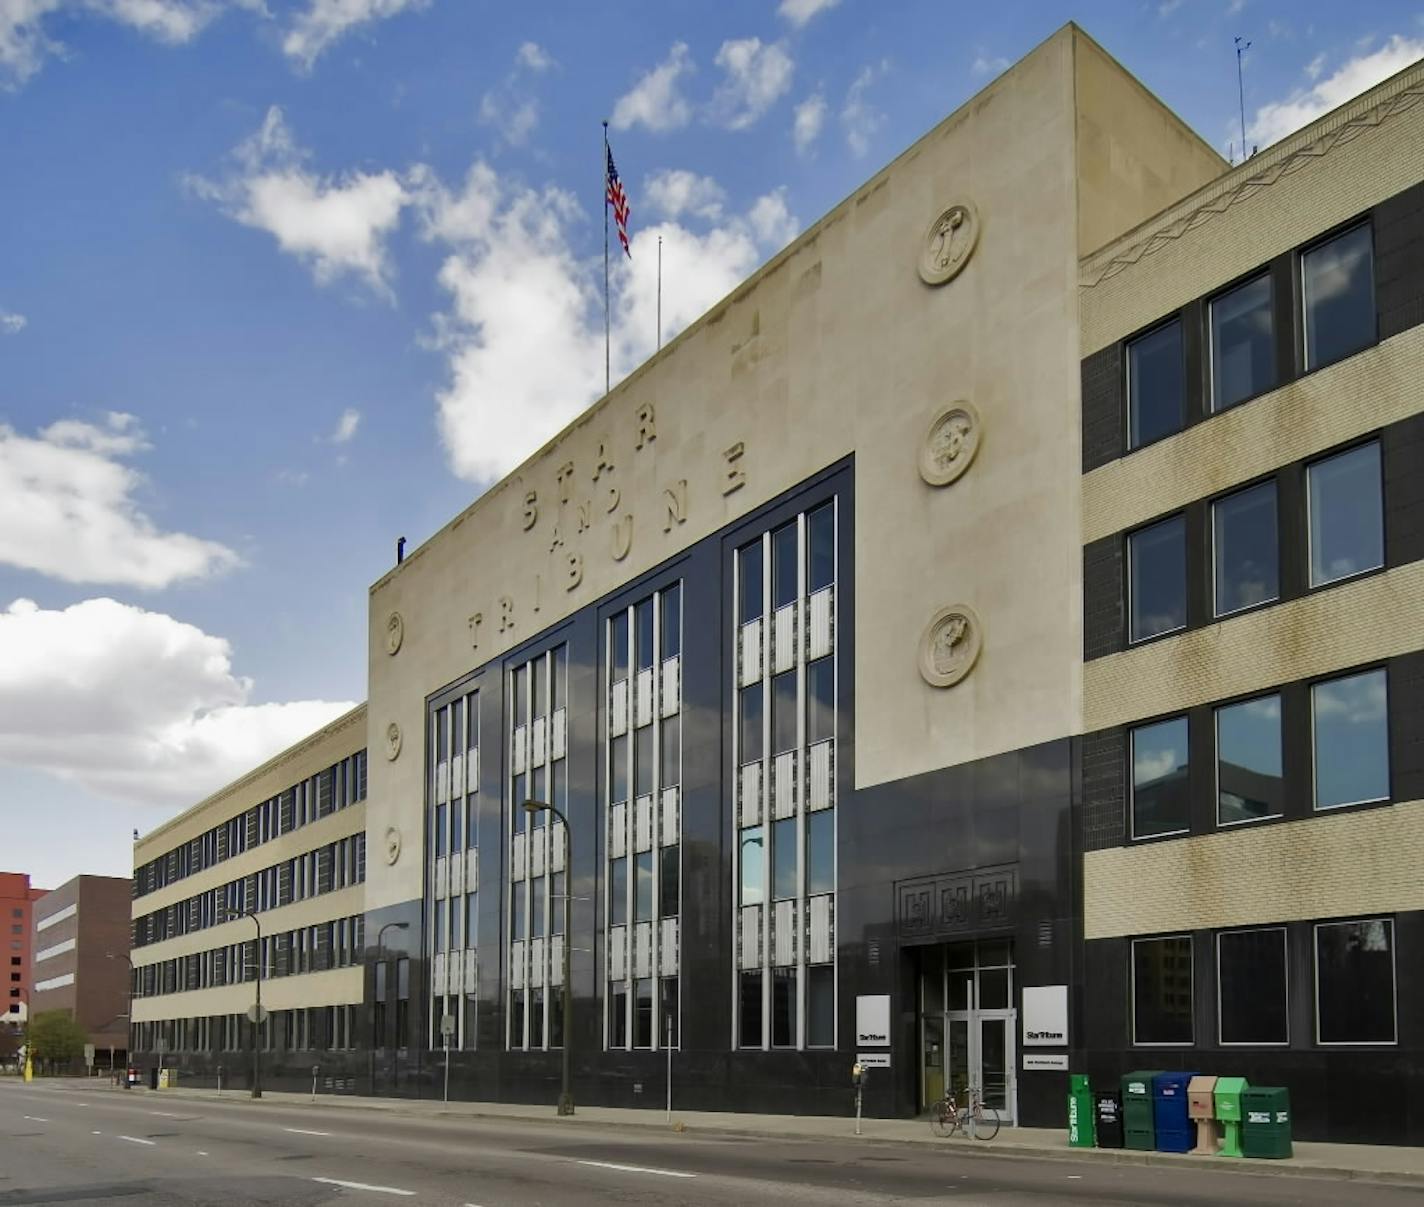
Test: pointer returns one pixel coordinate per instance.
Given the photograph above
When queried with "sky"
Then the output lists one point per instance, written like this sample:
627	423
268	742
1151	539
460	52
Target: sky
284	280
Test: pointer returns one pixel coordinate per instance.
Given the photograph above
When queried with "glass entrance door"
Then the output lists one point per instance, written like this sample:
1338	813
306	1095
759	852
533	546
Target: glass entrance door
967	1013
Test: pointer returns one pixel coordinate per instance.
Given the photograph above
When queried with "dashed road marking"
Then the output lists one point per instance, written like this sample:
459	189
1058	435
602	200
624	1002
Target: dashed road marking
410	1194
201	1153
137	1140
304	1131
171	1115
667	1173
35	1119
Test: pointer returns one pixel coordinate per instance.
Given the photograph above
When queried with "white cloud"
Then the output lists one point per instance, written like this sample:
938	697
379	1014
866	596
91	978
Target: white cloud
326	21
756	77
656	101
134	705
1277	119
346	426
798	12
510	107
772	221
23	42
673	192
810	116
70	510
337	225
534	57
861	120
985	64
12	324
171	21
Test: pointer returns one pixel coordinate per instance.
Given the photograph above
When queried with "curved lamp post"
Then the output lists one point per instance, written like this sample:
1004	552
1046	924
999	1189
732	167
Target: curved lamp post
128	1020
381	955
232	916
566	1093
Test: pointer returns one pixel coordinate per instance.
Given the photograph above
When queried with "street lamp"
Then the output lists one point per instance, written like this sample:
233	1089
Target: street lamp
381	955
256	1015
29	1020
128	1020
566	1093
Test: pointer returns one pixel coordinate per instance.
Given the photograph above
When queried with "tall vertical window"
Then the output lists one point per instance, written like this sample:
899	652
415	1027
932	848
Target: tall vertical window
1156	385
1245	549
1351	739
1346	506
1157	578
1252	986
1248	760
1162	990
1338	294
1160	801
1243	354
1354	982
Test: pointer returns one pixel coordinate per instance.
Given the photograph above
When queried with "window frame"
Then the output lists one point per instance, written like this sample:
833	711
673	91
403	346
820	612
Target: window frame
1302	338
1311	586
1262	273
1315	926
1216	710
1132	641
1133	837
1316	809
1269	480
1283	931
1132	988
1146	333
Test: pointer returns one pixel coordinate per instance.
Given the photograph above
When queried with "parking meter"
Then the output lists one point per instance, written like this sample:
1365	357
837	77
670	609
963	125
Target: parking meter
858	1075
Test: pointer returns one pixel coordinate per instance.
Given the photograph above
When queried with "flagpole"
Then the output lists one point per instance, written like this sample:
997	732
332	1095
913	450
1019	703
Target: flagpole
660	293
607	330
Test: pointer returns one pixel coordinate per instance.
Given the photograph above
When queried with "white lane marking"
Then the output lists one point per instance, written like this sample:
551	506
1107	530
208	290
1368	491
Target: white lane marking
1075	1177
170	1114
667	1173
135	1140
35	1119
303	1131
98	1133
410	1194
201	1153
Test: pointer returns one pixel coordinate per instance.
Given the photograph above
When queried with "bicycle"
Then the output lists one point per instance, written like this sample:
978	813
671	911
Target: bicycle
947	1116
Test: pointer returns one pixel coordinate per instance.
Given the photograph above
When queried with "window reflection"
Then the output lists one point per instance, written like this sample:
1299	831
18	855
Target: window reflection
753	864
1338	287
1156	385
1351	726
1243	360
1245	549
1159	778
1157	560
1248	760
1346	515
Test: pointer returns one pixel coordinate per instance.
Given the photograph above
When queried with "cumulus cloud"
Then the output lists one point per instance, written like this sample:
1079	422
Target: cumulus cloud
534	57
985	64
1275	120
70	510
676	191
12	324
798	12
860	120
346	426
756	76
337	225
808	119
134	705
324	22
510	107
656	100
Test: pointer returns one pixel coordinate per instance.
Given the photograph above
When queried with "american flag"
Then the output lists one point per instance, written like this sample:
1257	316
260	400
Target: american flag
618	199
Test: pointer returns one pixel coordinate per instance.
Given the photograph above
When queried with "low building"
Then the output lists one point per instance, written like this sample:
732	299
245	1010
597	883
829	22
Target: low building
17	901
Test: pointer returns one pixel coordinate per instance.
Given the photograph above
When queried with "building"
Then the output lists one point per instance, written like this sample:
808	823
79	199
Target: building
17	901
886	683
81	950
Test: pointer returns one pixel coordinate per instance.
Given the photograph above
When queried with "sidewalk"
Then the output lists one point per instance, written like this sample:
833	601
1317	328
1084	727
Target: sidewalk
1366	1162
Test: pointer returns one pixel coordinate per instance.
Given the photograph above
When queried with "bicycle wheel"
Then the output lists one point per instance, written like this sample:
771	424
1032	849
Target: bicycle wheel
986	1122
942	1118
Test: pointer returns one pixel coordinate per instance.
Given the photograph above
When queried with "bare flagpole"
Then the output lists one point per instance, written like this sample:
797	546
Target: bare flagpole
660	293
607	330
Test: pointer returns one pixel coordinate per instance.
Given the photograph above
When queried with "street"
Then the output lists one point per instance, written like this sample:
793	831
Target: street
80	1144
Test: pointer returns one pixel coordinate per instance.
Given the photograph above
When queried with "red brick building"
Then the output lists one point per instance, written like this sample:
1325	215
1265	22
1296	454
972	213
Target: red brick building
17	901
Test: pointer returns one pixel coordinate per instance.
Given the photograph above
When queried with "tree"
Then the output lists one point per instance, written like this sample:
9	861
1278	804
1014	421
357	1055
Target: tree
55	1037
9	1042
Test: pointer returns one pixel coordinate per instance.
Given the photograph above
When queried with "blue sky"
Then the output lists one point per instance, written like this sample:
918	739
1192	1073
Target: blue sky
282	281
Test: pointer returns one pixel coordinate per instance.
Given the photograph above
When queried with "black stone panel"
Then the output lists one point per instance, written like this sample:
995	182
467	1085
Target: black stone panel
1404	491
1104	605
1406	726
1104	756
1399	261
1103	415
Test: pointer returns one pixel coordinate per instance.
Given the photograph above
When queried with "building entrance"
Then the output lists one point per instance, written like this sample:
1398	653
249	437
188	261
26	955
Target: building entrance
968	1024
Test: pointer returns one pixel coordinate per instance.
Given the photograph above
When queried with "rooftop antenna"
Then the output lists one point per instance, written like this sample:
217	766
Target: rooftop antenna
1241	48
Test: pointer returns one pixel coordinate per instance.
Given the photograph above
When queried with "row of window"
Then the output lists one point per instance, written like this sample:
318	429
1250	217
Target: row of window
1344	525
753	1007
339	786
1336	318
1352	967
456	826
820	564
1348	735
820	858
309	1029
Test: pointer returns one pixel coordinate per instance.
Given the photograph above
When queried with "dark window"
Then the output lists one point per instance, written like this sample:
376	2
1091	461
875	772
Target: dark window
783	851
558	675
457	727
457	815
1346	515
783	566
672	621
1338	291
1251	982
643	886
820	852
750	724
539	674
618	891
442	748
521	694
536	895
472	816
520	907
536	1017
559	779
618	1015
820	699
783	1008
1354	982
671	752
1351	719
821	548
751	1013
538	790
821	1006
1157	571
643	761
1248	760
643	1013
557	904
1243	355
618	641
753	861
1160	772
669	1011
1162	990
440	827
1246	561
668	875
1156	385
643	630
750	559
471	915
618	767
783	712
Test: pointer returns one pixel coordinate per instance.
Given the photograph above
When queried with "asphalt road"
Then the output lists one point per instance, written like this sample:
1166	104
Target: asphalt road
79	1145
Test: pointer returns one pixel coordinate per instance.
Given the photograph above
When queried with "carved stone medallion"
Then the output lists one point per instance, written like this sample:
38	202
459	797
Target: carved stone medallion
395	632
393	741
393	844
950	444
949	243
950	645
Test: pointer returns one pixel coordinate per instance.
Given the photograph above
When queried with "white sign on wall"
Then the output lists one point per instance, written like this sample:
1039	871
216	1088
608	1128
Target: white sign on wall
873	1060
872	1021
1045	1060
1045	1016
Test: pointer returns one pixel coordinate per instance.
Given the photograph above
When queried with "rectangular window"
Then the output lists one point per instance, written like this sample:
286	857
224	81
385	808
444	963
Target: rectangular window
1253	998
1245	550
671	633
750	576
749	1030
820	852
558	658
1338	293
521	694
783	566
671	754
1162	990
1160	771
1157	578
643	886
749	724
1156	385
539	681
783	712
1243	354
669	1011
618	640
618	891
783	850
1248	760
471	913
1346	506
618	766
821	1006
618	1015
1354	982
783	1008
643	632
521	916
669	871
557	904
820	548
1351	739
643	1013
753	863
536	897
643	761
440	827
820	700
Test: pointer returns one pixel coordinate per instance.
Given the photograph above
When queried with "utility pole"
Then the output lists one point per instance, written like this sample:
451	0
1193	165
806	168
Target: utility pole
1241	48
566	1094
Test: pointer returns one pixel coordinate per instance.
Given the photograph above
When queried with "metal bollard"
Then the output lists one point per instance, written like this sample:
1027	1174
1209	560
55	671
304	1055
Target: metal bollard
316	1069
220	1068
